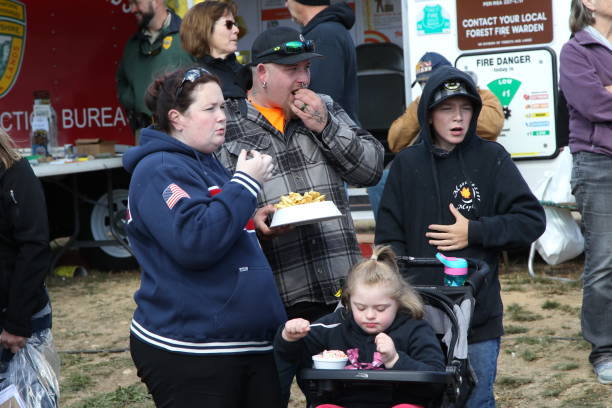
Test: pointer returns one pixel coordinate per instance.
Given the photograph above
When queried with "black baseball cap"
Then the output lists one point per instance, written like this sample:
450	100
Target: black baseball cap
282	45
451	89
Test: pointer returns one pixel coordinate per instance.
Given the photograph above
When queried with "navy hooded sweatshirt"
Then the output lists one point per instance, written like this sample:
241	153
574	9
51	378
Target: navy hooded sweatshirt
480	179
206	286
336	73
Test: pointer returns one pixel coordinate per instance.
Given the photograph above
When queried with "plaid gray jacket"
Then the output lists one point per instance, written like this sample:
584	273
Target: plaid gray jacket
310	262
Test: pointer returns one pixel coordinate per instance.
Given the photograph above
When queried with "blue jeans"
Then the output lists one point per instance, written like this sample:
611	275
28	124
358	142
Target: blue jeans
592	186
483	357
375	192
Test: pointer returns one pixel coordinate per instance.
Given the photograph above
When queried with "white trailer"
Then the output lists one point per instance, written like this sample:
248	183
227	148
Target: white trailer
506	34
509	35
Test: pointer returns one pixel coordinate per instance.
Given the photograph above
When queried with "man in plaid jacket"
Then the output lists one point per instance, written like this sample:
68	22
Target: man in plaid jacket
315	146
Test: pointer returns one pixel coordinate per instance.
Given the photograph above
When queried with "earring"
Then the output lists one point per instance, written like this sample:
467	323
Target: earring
264	84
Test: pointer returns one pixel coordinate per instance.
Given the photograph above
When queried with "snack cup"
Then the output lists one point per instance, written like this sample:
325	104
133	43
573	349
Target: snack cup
329	364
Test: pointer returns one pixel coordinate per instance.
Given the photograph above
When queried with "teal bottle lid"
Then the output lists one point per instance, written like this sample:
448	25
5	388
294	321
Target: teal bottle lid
452	265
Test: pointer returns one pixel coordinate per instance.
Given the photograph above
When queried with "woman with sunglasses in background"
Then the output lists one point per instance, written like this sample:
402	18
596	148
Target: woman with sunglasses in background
210	34
207	307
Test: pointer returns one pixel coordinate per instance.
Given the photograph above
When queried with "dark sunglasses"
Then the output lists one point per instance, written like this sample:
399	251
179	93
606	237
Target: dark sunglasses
229	24
191	75
291	47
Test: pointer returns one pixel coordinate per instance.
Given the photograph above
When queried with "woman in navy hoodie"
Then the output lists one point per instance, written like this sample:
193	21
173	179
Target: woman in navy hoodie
459	194
207	307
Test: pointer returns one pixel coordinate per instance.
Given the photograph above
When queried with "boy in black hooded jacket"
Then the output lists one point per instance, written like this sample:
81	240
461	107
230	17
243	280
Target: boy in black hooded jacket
456	193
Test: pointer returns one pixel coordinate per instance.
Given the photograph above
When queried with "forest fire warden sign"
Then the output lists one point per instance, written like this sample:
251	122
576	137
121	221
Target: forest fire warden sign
503	23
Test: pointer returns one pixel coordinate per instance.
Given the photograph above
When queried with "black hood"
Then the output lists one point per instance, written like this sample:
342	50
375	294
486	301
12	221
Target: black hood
340	12
441	75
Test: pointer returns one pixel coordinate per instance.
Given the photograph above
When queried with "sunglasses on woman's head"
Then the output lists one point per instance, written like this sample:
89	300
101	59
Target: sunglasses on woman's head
191	75
291	47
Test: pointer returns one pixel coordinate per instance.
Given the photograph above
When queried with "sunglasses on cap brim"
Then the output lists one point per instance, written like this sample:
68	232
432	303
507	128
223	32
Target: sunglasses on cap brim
191	75
290	48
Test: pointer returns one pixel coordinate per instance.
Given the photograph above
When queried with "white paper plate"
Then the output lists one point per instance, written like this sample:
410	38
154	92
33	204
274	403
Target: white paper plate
302	214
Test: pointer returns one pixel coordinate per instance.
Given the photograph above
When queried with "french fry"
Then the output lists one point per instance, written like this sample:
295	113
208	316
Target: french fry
296	199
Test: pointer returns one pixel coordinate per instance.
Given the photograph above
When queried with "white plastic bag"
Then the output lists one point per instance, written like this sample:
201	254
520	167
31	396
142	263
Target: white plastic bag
34	372
556	185
562	239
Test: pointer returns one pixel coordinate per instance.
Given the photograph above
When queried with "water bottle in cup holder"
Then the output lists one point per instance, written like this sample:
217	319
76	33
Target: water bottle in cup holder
455	270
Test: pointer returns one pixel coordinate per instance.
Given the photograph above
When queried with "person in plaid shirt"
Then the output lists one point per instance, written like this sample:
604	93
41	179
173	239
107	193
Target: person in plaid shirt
315	146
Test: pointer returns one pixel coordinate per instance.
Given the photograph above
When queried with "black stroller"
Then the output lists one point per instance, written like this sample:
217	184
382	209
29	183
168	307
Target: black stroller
449	310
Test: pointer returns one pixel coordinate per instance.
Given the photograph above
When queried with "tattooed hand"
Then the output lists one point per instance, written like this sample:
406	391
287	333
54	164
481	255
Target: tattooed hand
309	107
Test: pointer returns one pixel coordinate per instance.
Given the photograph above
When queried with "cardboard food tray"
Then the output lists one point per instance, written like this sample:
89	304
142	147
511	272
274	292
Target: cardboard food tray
303	214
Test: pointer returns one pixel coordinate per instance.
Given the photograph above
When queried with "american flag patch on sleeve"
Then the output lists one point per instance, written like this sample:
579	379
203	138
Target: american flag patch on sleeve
172	194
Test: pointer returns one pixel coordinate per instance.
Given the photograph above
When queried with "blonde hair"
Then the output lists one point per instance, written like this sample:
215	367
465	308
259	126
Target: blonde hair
8	152
381	268
198	25
580	16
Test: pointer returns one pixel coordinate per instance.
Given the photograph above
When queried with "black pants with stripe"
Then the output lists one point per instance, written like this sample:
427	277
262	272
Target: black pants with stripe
212	381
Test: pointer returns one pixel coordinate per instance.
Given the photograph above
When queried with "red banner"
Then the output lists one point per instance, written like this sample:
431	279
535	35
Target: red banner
72	50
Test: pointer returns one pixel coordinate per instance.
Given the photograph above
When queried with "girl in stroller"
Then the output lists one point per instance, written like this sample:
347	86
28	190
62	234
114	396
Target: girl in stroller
380	327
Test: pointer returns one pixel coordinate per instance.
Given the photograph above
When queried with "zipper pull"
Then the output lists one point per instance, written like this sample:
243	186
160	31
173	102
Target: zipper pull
12	194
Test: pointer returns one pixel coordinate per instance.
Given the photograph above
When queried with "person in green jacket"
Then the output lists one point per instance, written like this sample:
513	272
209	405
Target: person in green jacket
155	48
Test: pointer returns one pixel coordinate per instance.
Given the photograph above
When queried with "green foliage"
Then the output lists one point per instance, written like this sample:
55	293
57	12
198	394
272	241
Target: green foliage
567	366
550	304
553	305
134	395
529	355
514	288
518	313
589	397
69	360
510	329
510	382
77	382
